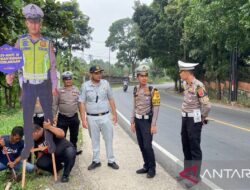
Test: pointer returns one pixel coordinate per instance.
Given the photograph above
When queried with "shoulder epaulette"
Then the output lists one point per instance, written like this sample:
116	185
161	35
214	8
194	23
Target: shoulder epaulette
45	38
23	36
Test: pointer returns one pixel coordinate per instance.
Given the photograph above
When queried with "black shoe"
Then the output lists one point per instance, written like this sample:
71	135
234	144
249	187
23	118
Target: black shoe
113	165
151	173
189	184
142	171
65	179
78	152
94	165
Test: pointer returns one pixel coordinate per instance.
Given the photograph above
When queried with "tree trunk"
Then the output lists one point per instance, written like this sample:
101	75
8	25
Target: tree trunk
218	81
133	70
180	88
1	99
6	96
10	97
175	85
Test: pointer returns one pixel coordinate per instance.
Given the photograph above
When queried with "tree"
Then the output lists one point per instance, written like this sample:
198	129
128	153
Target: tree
217	38
64	23
122	37
160	32
79	37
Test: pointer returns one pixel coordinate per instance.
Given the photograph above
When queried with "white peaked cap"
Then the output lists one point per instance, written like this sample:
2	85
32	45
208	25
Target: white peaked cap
186	66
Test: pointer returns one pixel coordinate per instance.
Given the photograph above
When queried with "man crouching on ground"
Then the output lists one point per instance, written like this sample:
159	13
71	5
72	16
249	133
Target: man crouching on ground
10	150
65	151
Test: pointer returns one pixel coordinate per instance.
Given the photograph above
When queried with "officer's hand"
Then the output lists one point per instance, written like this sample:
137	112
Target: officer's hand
132	127
204	120
85	124
54	92
55	120
9	78
11	164
47	125
2	143
114	119
153	129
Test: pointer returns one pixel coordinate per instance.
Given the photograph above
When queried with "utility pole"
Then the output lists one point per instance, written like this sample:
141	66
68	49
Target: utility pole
233	75
109	64
90	58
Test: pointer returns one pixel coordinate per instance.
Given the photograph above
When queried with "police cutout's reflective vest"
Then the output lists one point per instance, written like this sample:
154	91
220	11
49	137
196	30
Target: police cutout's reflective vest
36	58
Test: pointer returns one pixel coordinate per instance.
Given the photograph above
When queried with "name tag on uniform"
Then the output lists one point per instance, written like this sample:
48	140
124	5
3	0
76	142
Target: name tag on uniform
197	115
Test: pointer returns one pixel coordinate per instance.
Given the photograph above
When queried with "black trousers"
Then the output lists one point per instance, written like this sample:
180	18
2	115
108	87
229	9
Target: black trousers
144	138
71	123
38	120
191	139
67	158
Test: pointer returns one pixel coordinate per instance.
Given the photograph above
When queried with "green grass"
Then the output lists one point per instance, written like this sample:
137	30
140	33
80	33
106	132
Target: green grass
10	118
241	102
160	80
32	182
116	85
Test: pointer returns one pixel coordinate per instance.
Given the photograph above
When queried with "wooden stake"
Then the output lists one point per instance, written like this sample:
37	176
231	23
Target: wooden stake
8	186
24	173
54	166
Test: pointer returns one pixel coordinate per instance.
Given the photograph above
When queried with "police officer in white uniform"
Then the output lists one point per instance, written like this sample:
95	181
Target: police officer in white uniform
95	99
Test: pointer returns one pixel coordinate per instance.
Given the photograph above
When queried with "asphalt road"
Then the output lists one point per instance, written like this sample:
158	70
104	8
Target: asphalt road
225	140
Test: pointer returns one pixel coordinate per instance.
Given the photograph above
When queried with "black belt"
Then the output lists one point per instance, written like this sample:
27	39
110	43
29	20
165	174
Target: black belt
68	116
98	114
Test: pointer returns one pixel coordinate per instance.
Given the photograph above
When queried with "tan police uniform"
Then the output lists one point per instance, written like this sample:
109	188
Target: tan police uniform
67	106
144	116
195	109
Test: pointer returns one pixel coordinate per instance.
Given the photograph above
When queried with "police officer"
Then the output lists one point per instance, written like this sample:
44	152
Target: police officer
143	119
38	76
66	103
195	109
38	117
95	98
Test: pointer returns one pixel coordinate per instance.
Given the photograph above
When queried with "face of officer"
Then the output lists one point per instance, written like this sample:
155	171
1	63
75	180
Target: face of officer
183	74
143	79
34	27
96	76
67	82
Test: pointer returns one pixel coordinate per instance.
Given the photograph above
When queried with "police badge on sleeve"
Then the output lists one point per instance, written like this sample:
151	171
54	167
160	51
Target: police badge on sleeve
156	98
202	94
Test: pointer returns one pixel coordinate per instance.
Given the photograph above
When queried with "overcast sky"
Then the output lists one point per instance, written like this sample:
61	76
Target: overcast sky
102	14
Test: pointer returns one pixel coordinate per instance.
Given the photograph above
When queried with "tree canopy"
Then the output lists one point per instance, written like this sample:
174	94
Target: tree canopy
63	23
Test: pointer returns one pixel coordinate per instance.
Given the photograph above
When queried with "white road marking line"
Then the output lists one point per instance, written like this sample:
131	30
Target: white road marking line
172	157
